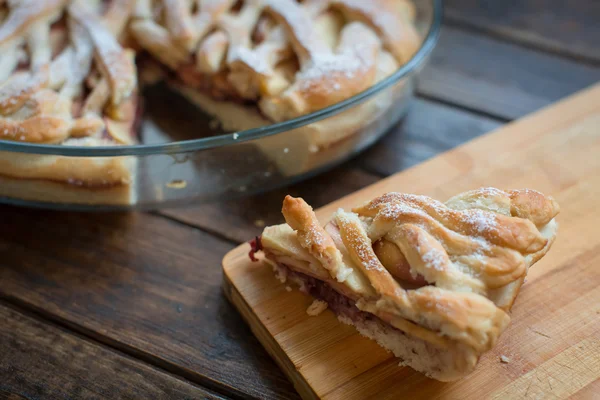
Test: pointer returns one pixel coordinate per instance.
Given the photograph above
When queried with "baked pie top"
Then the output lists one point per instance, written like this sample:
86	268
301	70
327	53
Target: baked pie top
64	77
291	57
446	273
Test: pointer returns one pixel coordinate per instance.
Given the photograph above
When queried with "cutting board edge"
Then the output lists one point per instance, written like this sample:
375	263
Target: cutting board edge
267	340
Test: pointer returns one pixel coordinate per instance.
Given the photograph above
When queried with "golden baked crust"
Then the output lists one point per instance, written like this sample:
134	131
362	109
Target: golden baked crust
445	273
268	61
65	79
292	58
74	79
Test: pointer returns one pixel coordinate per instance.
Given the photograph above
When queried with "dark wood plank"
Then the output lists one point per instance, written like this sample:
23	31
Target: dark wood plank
39	361
427	130
240	220
145	285
498	78
567	27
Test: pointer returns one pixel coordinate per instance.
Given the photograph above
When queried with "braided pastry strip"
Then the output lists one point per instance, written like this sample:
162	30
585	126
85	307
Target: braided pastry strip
38	104
478	243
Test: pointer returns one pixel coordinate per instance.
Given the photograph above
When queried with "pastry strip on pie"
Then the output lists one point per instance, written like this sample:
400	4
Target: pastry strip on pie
432	282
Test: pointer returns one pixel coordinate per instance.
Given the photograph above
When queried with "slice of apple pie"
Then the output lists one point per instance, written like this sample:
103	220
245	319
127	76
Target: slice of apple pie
432	282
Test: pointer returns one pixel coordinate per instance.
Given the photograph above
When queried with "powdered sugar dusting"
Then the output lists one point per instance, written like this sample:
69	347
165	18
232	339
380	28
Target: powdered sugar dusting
480	220
363	248
299	21
481	244
251	59
490	191
313	240
317	236
323	64
115	64
434	259
531	192
394	210
328	67
368	258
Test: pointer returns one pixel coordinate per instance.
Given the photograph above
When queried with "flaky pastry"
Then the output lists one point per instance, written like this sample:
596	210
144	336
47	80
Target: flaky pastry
290	57
65	79
432	282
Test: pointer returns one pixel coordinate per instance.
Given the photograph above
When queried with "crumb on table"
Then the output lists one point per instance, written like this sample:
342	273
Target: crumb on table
504	359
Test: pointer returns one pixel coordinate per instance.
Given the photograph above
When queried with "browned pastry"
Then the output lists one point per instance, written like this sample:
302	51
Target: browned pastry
65	79
432	282
290	58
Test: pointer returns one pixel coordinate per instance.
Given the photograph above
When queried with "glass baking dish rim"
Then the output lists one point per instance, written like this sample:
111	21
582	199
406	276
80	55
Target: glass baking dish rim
206	143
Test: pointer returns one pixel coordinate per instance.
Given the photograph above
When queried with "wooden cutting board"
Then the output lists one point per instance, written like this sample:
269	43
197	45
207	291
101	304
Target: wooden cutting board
553	342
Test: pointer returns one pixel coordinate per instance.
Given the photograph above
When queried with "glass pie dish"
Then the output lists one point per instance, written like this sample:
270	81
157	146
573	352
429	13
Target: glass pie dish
186	158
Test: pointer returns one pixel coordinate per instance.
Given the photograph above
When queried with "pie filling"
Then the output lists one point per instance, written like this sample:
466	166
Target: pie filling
215	85
341	305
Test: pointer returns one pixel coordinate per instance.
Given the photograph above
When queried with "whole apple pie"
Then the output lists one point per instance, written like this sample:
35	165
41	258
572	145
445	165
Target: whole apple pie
68	77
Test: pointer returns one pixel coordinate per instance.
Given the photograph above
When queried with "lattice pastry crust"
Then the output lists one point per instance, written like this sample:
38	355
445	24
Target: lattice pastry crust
268	61
65	79
439	277
292	58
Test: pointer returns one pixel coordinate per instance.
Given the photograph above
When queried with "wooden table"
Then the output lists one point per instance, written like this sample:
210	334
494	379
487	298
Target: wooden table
130	305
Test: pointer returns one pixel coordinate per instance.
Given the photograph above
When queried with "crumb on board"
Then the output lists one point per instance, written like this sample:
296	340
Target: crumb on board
316	308
177	184
288	288
504	359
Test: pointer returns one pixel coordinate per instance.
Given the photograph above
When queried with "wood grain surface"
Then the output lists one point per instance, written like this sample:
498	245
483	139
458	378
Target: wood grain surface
566	27
38	361
498	78
553	341
429	129
143	284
